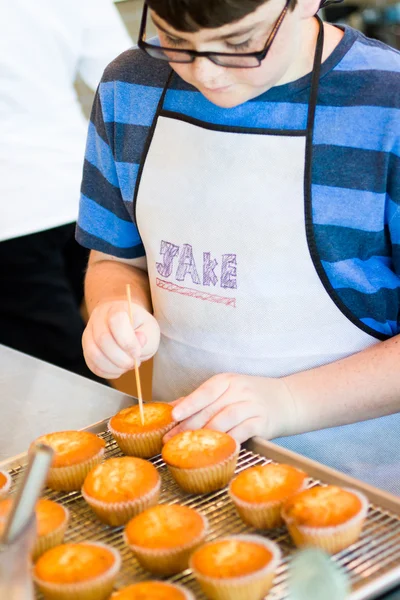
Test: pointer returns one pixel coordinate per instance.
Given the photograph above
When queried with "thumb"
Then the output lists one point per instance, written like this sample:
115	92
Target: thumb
142	337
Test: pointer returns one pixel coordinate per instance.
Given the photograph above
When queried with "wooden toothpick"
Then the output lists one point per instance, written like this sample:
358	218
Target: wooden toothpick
137	375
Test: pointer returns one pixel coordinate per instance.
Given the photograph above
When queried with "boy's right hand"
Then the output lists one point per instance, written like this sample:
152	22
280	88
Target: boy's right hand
110	343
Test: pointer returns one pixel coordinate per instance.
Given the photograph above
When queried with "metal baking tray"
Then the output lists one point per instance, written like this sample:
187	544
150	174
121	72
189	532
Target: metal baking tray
372	563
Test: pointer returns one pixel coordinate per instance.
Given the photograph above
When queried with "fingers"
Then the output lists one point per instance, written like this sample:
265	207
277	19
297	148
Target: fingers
104	374
97	359
175	430
111	344
230	403
142	337
175	402
106	343
201	398
148	336
171	433
206	415
246	430
241	420
233	415
124	336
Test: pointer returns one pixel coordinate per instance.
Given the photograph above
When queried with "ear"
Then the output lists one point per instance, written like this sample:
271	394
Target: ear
307	8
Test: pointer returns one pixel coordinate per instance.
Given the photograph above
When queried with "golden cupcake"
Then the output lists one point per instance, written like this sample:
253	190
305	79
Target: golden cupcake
85	571
51	524
259	493
121	488
153	590
201	461
5	484
137	439
76	453
237	567
163	537
328	517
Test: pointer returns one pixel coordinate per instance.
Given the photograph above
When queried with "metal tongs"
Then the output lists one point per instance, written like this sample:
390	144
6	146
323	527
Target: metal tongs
29	490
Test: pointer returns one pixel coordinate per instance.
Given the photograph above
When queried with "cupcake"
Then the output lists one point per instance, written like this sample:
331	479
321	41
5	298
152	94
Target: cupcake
85	571
153	590
237	567
5	484
51	524
76	453
144	440
328	517
201	461
259	493
121	488
163	537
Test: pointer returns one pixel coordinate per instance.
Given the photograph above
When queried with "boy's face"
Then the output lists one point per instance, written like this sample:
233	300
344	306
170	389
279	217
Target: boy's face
227	87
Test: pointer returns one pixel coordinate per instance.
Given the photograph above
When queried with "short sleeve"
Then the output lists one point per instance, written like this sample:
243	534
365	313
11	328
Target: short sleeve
105	221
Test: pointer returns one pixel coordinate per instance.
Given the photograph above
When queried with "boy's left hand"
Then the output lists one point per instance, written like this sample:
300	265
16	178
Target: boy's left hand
241	405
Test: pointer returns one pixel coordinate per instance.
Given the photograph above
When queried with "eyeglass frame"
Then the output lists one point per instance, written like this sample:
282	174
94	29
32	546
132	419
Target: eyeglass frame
259	55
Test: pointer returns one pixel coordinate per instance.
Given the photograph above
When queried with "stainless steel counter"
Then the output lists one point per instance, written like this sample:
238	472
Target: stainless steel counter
36	398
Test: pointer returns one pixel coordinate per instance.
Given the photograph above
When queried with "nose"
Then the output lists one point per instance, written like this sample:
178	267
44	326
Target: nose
205	71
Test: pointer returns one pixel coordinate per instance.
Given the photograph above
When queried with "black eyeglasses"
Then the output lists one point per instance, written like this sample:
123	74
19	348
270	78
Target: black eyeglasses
234	60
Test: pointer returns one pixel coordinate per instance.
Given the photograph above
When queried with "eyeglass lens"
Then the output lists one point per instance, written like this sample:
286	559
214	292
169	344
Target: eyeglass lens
219	59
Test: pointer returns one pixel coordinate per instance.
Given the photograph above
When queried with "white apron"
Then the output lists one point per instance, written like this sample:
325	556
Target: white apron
233	284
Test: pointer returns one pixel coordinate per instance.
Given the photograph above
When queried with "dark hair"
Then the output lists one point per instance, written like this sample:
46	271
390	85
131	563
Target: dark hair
192	15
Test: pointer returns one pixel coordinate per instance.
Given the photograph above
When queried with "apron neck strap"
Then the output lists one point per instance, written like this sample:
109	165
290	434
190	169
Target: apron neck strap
162	98
315	77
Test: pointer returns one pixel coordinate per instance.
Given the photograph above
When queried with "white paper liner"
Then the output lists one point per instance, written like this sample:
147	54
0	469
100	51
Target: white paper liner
330	537
263	515
163	560
51	539
6	487
187	594
71	477
119	513
142	445
96	588
241	587
206	479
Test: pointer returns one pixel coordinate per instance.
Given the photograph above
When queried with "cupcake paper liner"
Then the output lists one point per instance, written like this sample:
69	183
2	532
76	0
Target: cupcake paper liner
168	561
254	586
54	538
206	479
71	478
262	515
142	445
119	513
97	588
331	539
187	594
6	487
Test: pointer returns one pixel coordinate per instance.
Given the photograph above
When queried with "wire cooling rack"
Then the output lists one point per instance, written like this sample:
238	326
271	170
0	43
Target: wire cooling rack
372	563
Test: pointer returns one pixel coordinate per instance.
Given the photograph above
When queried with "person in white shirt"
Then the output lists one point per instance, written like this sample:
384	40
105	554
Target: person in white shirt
44	45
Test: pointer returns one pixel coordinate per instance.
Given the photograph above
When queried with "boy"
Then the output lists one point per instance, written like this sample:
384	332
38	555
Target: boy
243	178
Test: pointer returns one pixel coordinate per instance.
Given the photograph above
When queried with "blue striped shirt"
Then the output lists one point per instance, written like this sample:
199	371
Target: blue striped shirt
355	183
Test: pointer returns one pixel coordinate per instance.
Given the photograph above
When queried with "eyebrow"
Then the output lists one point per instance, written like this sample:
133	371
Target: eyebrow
214	39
